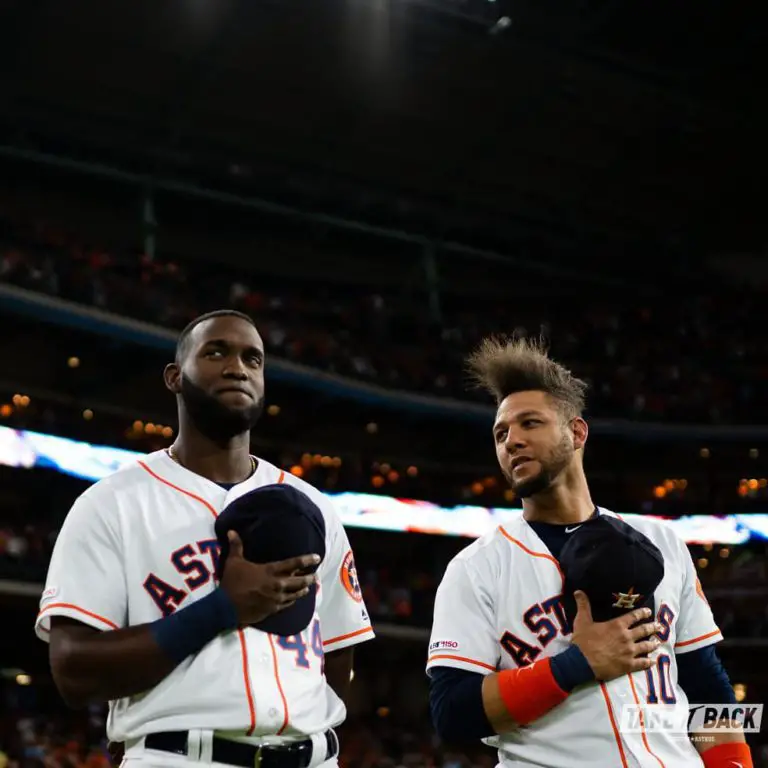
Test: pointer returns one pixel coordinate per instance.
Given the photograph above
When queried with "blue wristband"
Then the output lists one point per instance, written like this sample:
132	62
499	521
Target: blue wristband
190	629
570	668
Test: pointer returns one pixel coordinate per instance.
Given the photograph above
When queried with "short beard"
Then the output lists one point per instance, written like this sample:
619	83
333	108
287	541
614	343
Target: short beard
214	419
555	463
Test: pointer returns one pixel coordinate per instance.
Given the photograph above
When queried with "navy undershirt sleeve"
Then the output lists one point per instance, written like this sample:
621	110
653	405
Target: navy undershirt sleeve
456	704
702	676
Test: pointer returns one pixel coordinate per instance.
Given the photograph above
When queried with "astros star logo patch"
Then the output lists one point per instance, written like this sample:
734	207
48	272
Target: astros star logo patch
626	599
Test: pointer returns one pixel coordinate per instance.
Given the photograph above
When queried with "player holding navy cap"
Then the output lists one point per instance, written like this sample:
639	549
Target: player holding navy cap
511	664
134	612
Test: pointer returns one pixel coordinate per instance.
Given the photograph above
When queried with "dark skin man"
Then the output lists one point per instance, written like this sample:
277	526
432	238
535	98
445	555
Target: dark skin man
218	381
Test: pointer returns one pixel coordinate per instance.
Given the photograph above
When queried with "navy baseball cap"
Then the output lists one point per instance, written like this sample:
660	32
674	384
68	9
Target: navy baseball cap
614	564
275	522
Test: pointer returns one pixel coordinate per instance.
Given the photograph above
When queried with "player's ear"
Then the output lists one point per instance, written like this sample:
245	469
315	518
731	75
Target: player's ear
172	377
580	432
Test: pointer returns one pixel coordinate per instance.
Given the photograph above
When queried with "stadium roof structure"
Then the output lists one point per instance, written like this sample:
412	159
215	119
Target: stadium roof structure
571	126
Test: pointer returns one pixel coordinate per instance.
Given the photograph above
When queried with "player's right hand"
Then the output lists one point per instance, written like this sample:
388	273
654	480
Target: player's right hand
258	590
614	648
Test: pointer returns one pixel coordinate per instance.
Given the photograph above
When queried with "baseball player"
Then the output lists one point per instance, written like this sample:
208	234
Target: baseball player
505	664
134	613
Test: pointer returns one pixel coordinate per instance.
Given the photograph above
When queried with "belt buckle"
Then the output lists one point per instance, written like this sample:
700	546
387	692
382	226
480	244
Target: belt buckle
257	758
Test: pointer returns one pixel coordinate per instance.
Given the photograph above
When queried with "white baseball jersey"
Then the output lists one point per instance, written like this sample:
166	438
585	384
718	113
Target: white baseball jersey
140	544
499	607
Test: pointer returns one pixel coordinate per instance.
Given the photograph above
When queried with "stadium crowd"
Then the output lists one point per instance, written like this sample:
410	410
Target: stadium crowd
653	358
33	738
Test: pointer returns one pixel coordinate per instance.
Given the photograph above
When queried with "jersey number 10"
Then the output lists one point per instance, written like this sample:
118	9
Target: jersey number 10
666	691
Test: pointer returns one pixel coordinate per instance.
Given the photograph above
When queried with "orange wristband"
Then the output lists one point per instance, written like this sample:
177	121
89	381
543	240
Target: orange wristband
530	692
728	755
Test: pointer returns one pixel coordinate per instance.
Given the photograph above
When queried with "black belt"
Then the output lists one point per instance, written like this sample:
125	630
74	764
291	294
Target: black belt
297	754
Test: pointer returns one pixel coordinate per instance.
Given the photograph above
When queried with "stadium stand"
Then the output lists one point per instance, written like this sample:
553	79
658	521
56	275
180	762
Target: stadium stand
691	360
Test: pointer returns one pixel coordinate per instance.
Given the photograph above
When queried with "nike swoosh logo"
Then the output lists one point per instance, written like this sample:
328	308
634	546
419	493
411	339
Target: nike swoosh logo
571	530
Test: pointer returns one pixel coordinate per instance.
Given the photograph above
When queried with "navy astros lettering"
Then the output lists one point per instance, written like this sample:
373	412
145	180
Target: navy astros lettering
546	620
196	562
